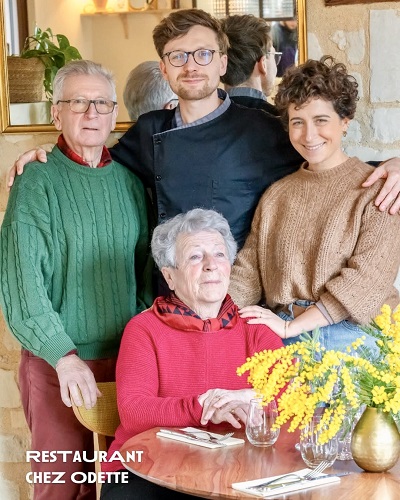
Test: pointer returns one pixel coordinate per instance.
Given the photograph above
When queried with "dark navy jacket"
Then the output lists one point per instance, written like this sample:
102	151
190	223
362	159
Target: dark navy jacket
224	164
254	102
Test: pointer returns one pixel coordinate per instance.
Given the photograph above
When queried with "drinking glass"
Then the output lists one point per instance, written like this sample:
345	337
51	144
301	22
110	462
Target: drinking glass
312	452
346	431
260	421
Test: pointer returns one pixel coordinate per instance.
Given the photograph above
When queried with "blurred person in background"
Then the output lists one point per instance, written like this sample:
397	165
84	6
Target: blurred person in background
251	71
284	38
147	90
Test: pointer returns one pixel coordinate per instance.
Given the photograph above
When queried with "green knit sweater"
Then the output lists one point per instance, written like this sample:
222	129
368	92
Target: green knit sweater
72	241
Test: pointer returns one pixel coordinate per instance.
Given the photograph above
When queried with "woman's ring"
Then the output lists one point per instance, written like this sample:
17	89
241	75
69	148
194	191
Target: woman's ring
233	411
260	315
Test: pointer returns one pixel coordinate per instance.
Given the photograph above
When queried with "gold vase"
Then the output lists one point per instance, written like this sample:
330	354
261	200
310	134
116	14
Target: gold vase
375	444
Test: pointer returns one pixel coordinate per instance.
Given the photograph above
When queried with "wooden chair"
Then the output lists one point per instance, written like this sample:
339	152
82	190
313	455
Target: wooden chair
102	420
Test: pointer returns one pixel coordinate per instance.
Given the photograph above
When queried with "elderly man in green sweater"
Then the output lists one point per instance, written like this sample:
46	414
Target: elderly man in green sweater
74	244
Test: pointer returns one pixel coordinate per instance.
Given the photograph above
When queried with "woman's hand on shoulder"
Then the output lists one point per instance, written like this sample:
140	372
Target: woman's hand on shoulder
260	316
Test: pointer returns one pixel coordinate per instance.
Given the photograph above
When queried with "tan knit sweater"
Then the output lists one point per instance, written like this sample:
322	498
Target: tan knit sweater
318	236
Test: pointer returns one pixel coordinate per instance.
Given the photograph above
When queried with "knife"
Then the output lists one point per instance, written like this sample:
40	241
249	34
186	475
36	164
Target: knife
187	435
288	483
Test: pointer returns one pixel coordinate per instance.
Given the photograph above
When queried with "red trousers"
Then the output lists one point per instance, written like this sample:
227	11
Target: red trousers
55	427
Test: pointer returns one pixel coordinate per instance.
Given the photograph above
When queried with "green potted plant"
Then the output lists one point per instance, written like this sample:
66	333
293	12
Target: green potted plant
53	50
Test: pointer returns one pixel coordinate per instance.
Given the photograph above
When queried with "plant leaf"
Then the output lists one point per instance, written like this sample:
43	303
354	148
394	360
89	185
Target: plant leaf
63	42
71	53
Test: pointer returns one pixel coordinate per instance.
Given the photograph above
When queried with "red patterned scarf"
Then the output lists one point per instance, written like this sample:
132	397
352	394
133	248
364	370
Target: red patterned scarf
175	313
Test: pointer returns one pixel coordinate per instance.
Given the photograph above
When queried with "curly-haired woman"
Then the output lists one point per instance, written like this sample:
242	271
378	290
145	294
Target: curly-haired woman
320	253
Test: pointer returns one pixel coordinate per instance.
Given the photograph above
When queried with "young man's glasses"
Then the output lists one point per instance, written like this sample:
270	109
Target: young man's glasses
277	55
103	106
179	58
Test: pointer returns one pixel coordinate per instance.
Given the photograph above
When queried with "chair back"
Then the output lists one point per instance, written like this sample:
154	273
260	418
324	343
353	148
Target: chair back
102	420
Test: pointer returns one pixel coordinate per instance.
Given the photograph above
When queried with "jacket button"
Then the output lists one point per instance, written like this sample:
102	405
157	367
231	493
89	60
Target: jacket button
163	215
158	177
157	141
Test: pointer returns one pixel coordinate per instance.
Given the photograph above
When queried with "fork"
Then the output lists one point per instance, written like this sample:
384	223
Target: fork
212	438
310	475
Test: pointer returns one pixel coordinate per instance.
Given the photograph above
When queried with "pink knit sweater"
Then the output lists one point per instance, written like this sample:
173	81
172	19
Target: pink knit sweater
161	371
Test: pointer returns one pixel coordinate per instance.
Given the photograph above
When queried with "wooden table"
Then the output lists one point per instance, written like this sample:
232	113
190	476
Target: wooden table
209	473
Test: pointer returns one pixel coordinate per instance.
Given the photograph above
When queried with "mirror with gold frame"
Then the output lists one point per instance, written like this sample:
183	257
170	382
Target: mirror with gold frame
118	49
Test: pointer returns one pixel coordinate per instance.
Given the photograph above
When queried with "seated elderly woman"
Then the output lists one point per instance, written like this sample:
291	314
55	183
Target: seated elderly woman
73	237
320	253
177	362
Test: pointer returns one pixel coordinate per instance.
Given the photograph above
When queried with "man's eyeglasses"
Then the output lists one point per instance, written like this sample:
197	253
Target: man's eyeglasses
179	58
103	106
277	55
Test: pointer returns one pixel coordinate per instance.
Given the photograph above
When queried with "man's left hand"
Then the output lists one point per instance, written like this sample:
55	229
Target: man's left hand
389	170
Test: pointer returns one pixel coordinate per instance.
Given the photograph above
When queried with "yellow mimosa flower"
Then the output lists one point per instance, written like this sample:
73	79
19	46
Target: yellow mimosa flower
314	377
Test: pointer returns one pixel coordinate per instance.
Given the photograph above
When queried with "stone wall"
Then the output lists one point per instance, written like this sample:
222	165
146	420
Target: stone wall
363	37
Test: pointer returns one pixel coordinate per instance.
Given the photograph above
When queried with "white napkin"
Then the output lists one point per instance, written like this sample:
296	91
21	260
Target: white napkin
322	479
205	444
